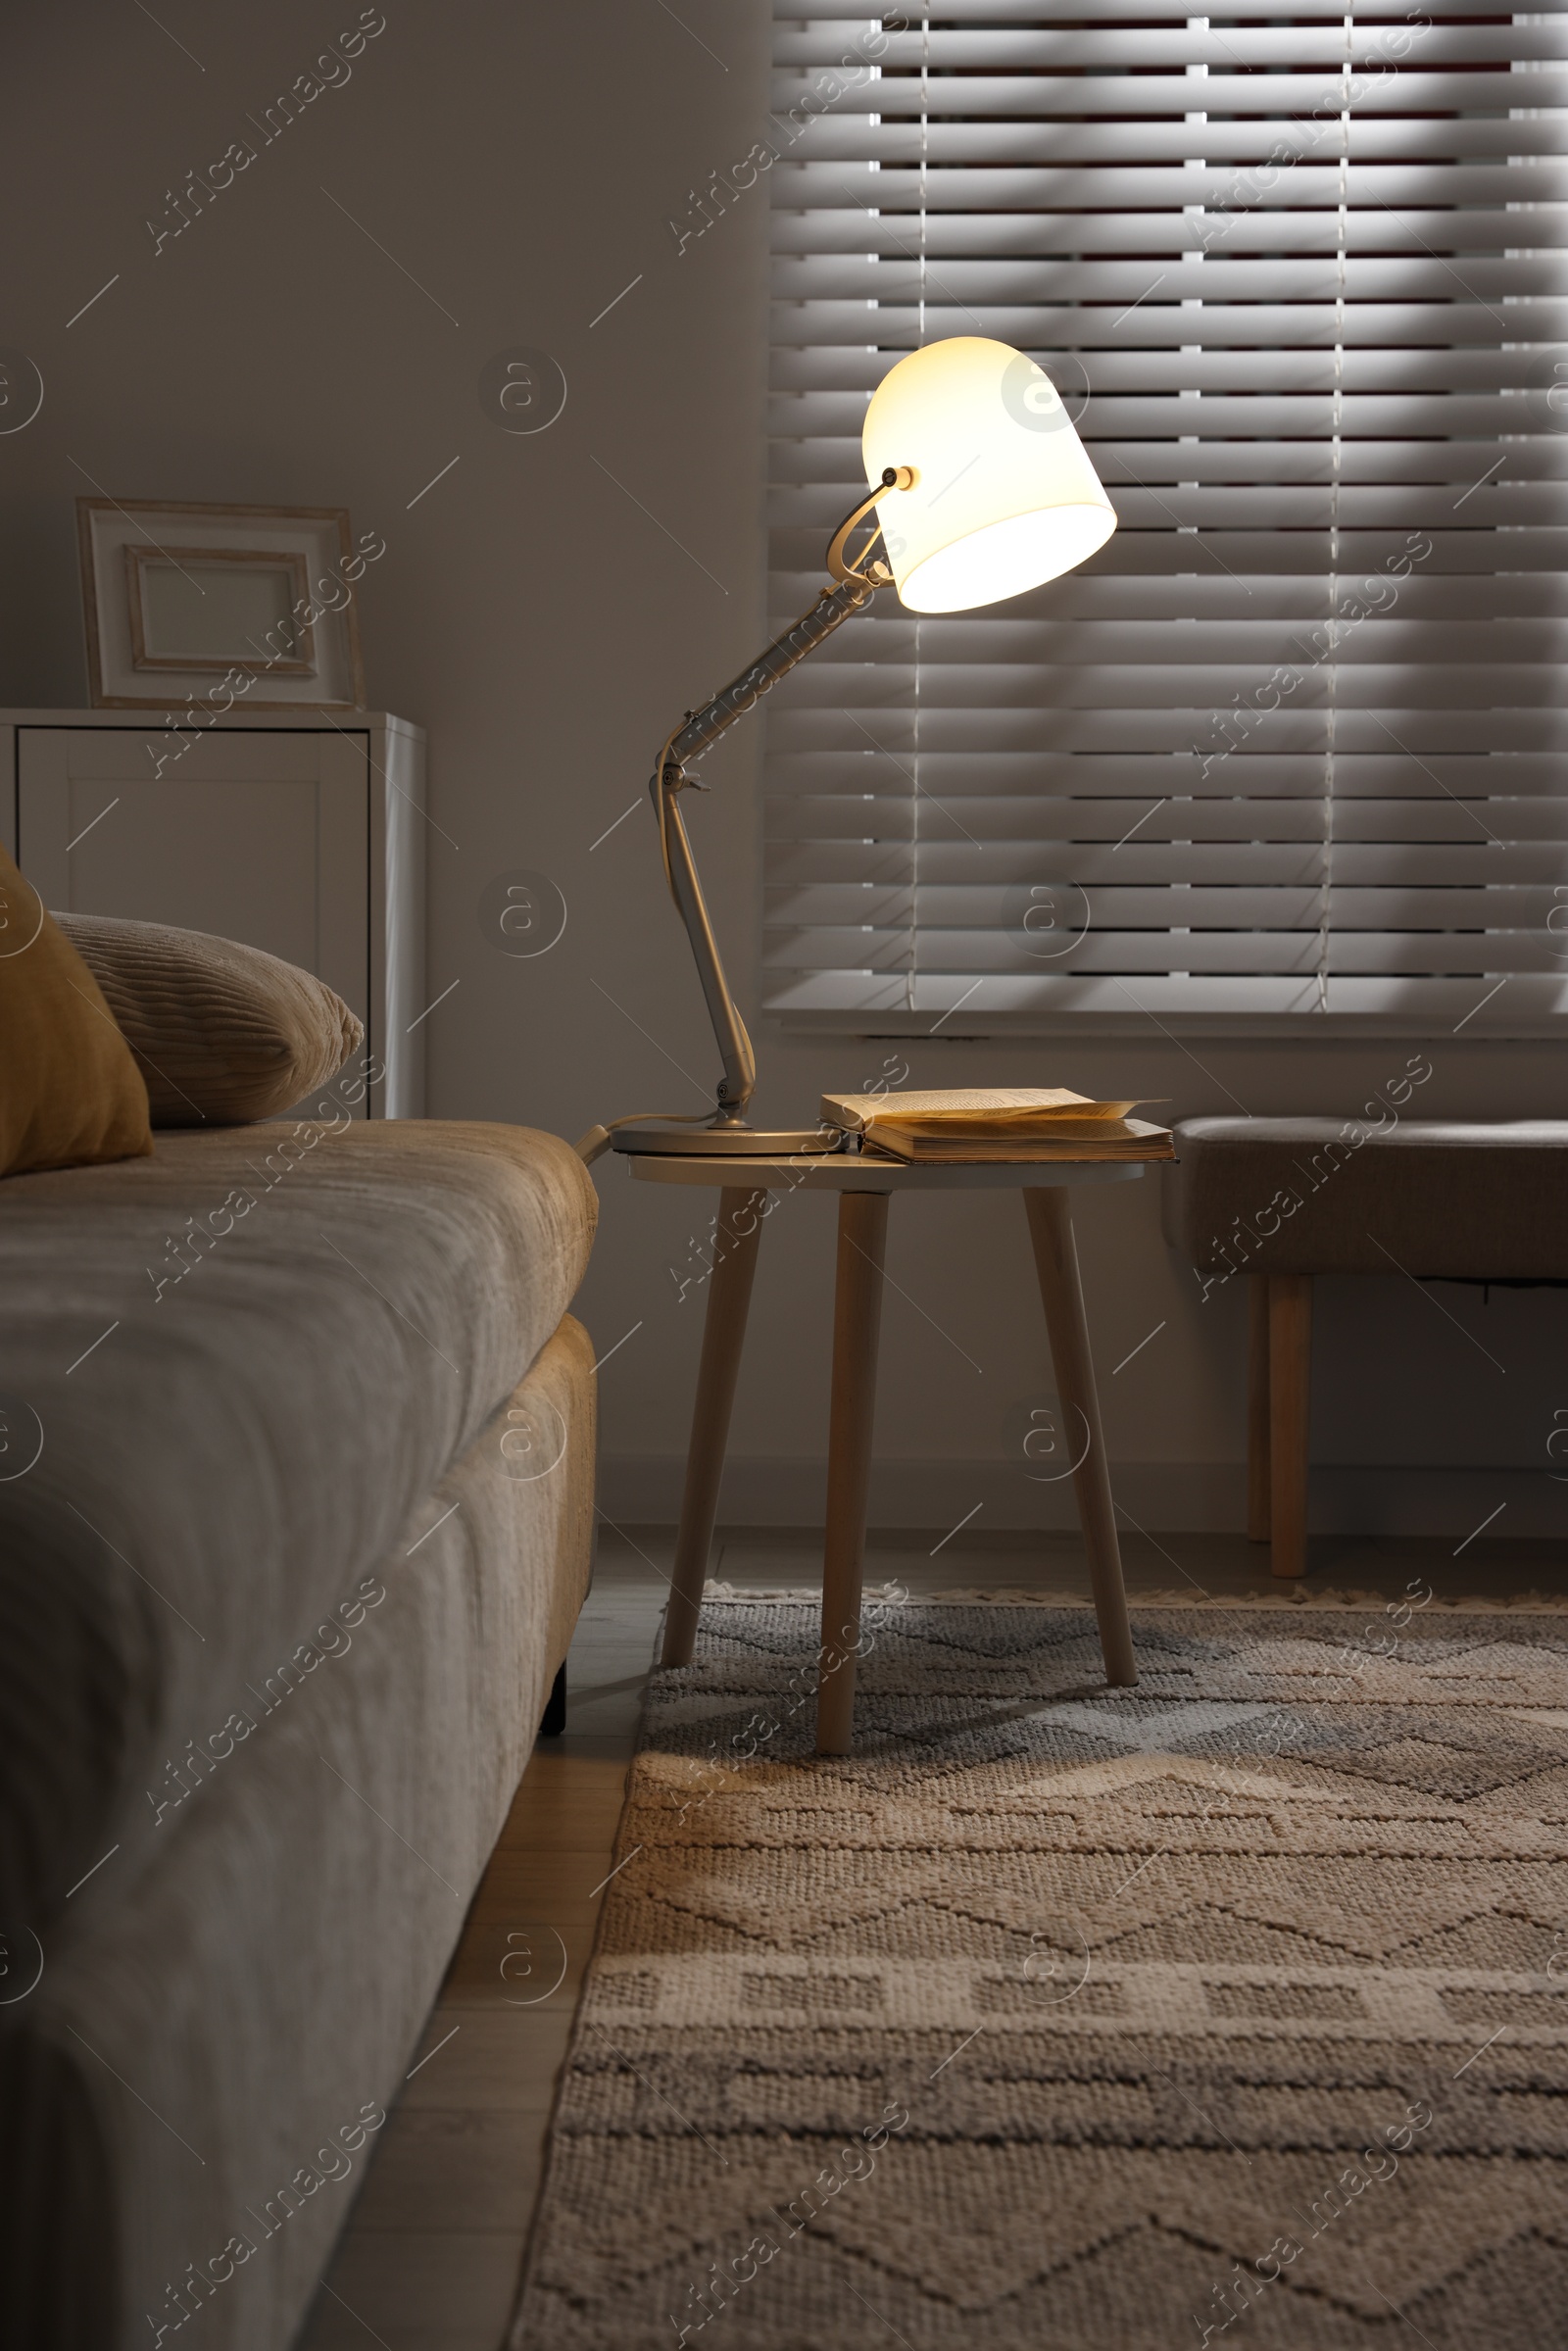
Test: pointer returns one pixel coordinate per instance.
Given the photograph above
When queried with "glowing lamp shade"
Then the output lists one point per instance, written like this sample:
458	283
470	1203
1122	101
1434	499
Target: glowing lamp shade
1004	497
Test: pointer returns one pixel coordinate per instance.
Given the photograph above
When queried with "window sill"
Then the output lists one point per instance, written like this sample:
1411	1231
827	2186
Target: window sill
964	1027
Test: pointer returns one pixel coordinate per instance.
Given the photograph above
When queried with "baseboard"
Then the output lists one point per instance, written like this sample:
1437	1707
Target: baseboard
1169	1496
1348	1499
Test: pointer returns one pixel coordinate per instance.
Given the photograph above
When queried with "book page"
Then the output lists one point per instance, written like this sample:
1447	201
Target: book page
1000	1104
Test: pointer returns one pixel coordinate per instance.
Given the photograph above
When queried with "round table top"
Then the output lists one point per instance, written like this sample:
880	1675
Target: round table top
850	1171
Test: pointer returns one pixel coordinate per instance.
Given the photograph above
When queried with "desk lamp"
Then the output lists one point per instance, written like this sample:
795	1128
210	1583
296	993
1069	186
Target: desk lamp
981	489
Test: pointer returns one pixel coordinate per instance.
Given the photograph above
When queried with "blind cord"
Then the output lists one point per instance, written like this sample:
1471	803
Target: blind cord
912	972
1325	925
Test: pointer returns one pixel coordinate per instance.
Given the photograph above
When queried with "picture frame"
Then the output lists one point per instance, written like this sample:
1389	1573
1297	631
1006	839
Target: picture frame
178	595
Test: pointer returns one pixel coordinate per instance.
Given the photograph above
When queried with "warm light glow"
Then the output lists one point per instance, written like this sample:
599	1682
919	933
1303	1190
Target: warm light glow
1004	497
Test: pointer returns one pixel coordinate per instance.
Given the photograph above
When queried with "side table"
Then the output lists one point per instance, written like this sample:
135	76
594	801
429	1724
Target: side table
866	1185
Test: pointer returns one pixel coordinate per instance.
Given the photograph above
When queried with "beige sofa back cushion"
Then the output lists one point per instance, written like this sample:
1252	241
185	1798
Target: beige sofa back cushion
222	1033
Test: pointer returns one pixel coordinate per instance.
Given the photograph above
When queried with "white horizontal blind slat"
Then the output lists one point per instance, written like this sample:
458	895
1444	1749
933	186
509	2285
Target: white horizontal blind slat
1294	742
1020	49
832	31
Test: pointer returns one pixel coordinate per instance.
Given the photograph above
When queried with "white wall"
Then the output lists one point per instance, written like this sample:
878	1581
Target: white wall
520	164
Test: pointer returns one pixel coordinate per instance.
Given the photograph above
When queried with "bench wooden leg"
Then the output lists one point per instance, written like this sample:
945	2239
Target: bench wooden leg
1290	1368
856	1326
1257	1407
1061	1295
729	1297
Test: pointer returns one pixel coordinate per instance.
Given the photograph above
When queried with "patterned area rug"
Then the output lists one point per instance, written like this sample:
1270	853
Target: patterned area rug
1236	2005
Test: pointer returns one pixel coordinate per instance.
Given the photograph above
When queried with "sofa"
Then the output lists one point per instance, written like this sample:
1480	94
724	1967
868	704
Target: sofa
296	1469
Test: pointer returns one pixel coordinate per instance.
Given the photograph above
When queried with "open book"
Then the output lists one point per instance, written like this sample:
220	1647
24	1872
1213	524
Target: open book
1006	1124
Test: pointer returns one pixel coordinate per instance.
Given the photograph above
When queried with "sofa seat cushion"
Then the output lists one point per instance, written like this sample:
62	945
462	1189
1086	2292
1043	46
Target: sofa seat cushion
260	1965
1336	1196
211	1458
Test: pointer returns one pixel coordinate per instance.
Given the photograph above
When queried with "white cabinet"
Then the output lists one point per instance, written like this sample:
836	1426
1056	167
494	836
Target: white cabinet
298	833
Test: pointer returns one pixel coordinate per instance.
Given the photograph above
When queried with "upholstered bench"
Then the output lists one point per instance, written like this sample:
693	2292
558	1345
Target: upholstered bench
1280	1199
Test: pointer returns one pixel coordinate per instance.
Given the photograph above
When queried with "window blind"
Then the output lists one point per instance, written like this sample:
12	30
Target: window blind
1292	745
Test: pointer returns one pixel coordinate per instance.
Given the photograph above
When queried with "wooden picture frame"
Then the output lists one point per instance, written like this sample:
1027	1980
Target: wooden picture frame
307	660
143	565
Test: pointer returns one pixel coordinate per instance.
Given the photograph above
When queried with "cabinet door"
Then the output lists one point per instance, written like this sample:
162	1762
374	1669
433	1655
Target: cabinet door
264	837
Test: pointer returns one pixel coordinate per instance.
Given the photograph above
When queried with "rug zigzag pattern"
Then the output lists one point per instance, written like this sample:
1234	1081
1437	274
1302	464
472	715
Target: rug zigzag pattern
1236	2001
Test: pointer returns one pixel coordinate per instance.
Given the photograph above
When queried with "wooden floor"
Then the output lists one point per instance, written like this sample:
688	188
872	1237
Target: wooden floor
435	2241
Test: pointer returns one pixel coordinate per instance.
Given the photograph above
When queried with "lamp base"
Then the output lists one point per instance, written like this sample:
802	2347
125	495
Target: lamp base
728	1139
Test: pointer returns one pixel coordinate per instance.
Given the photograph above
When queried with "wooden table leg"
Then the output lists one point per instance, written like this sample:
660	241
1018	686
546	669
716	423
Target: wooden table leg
856	1322
1290	1383
1061	1295
723	1335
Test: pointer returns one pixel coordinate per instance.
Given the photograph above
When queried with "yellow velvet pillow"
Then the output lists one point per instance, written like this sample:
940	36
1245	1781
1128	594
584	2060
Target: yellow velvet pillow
69	1089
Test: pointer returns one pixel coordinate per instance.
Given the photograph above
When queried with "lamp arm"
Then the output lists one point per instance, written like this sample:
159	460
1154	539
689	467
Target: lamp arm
739	1081
853	587
704	727
701	730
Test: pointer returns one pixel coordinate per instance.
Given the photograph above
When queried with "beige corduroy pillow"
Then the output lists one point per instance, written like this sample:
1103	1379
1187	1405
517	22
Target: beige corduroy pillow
70	1092
222	1033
